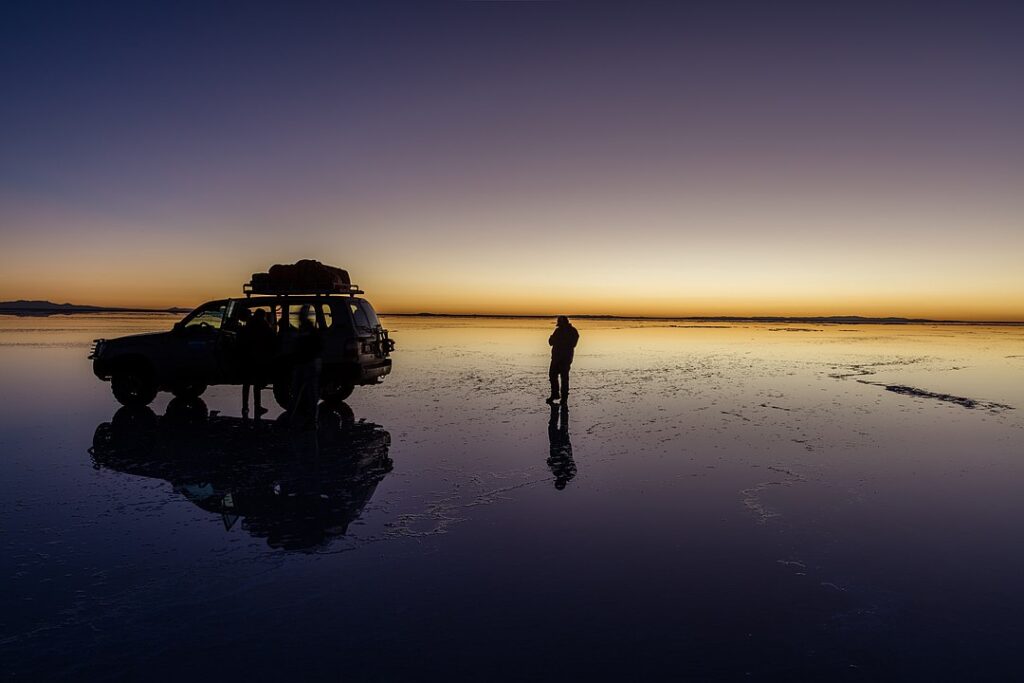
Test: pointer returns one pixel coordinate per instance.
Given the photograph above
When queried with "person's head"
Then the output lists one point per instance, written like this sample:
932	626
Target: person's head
562	321
245	315
259	315
306	316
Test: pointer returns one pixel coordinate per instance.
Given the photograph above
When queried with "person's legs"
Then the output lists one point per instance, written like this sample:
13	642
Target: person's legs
245	399
564	372
553	376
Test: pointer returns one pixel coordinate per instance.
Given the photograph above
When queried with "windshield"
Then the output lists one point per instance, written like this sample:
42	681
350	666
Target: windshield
211	316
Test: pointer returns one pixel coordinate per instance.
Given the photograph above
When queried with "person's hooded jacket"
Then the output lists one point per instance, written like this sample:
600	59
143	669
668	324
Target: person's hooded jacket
563	342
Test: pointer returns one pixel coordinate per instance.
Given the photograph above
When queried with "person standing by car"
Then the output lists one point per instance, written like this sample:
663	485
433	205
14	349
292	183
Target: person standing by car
256	342
563	344
306	360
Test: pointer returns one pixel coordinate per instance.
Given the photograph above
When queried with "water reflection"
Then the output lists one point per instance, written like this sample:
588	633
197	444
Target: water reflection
297	490
560	456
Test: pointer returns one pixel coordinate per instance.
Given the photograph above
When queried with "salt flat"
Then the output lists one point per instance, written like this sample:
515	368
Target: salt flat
759	500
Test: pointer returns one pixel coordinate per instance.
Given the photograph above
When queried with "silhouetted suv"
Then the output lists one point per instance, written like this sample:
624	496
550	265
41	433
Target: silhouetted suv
202	349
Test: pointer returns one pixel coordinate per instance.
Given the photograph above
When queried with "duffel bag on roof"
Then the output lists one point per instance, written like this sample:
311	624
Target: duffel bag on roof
306	275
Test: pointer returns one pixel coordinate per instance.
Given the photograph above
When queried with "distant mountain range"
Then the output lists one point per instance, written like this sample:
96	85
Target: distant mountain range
46	307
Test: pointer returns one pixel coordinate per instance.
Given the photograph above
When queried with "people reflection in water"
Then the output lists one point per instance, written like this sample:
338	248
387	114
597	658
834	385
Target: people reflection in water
299	491
563	344
560	457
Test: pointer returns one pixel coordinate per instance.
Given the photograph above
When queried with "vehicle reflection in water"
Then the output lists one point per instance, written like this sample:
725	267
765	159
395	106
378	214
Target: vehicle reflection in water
560	461
297	490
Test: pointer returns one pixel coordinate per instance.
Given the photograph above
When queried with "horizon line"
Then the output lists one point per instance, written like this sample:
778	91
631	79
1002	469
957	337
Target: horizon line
67	308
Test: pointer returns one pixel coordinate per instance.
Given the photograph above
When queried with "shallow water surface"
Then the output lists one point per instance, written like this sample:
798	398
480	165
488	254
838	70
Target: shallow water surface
747	500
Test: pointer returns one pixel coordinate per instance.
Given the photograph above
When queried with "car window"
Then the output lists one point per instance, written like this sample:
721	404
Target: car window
359	318
235	317
371	315
207	317
295	315
295	312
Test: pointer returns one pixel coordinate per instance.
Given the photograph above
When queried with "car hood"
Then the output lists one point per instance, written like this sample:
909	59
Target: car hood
142	338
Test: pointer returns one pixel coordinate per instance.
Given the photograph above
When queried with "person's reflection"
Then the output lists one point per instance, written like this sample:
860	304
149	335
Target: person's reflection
296	491
560	458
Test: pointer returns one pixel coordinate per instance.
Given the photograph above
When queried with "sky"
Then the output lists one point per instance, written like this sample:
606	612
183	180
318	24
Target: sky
634	158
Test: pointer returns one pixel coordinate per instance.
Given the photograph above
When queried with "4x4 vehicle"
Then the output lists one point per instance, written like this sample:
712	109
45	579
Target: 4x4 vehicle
202	349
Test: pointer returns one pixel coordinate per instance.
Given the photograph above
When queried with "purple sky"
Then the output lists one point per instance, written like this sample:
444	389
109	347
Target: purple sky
782	158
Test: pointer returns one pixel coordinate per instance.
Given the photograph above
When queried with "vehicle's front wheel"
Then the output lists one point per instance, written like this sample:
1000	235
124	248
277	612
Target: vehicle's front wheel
188	390
134	385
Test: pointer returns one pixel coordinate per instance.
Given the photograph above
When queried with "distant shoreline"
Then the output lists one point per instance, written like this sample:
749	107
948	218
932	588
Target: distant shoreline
98	309
821	320
49	308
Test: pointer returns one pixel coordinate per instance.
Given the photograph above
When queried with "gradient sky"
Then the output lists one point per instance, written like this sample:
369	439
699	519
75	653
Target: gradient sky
521	157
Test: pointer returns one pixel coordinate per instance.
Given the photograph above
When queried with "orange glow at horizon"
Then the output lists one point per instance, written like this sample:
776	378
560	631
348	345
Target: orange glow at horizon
788	256
547	288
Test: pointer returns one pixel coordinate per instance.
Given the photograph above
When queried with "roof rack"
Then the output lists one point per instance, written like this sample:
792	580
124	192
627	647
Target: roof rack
249	289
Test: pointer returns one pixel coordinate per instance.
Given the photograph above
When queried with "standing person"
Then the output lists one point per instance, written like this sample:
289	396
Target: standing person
563	343
306	359
256	342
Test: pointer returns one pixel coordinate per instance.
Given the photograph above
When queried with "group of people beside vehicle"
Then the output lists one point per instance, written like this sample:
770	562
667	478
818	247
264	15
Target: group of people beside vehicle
264	355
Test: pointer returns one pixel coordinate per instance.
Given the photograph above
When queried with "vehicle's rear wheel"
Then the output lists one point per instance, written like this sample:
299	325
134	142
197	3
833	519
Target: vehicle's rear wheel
330	392
188	389
134	384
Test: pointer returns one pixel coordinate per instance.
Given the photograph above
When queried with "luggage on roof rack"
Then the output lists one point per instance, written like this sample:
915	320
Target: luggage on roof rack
302	277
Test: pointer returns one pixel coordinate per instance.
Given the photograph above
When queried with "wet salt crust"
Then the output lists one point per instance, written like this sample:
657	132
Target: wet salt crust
743	502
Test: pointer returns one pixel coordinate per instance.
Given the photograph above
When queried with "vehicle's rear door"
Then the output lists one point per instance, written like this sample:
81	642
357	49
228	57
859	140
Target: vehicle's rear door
374	343
332	322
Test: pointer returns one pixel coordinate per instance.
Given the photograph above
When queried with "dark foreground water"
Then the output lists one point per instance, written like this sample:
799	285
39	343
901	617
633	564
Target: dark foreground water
735	502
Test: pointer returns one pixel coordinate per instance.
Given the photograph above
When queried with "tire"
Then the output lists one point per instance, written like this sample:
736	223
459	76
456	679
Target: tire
134	384
188	390
332	392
